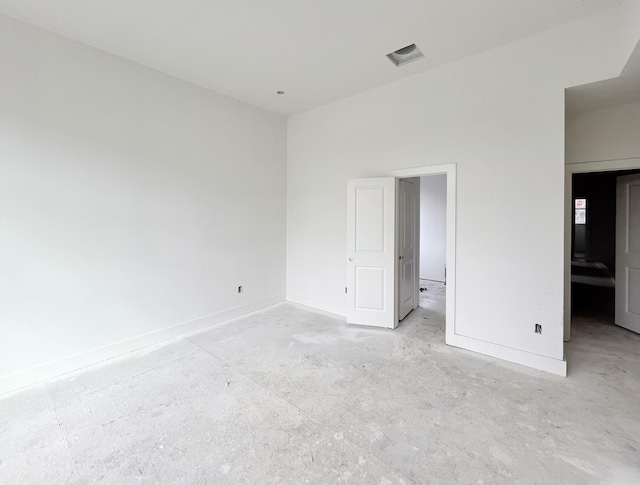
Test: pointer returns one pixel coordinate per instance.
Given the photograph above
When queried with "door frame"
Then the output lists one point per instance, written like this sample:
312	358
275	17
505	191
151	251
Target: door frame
449	170
570	170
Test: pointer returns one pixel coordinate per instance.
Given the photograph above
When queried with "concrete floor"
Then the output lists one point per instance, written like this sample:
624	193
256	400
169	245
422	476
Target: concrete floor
293	396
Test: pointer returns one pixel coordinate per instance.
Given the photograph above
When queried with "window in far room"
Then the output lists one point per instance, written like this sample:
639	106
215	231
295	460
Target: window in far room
580	211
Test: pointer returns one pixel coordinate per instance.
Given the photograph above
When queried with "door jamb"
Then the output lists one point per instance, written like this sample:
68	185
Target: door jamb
570	170
449	170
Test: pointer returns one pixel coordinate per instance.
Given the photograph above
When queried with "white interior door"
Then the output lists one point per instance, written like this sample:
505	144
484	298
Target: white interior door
628	253
371	251
407	248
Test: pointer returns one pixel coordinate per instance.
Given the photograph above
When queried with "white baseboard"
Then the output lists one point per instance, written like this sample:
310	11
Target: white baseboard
540	362
318	304
34	375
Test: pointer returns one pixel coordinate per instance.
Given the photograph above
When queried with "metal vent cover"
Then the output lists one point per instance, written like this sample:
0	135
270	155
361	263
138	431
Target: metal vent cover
405	55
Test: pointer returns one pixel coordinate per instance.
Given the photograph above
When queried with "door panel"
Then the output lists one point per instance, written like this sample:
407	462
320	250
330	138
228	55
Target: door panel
628	253
408	245
633	296
369	207
371	251
370	285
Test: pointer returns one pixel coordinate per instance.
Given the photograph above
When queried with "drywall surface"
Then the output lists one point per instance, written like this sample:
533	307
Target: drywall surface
606	134
500	117
130	201
433	227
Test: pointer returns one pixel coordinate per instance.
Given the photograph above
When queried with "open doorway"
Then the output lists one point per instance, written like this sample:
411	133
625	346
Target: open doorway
422	245
604	213
432	269
376	250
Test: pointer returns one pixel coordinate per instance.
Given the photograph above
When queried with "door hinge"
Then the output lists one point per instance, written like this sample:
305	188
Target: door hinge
345	289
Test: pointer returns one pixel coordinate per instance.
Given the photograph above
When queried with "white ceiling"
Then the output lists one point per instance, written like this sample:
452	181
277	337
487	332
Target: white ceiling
611	92
315	50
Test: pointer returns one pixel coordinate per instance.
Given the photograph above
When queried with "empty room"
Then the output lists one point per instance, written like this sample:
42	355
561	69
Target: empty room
364	241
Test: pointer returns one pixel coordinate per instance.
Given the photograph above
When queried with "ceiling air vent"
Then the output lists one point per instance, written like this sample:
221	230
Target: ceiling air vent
405	55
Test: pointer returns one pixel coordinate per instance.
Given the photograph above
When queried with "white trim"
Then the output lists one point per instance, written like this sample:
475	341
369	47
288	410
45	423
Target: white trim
566	273
570	169
449	170
536	361
34	375
604	165
318	304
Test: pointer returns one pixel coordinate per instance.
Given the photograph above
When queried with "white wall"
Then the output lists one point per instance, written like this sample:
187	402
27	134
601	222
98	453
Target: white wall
500	117
433	227
605	134
130	202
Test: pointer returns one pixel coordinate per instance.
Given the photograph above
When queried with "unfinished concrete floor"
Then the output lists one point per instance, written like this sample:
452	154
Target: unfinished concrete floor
293	396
